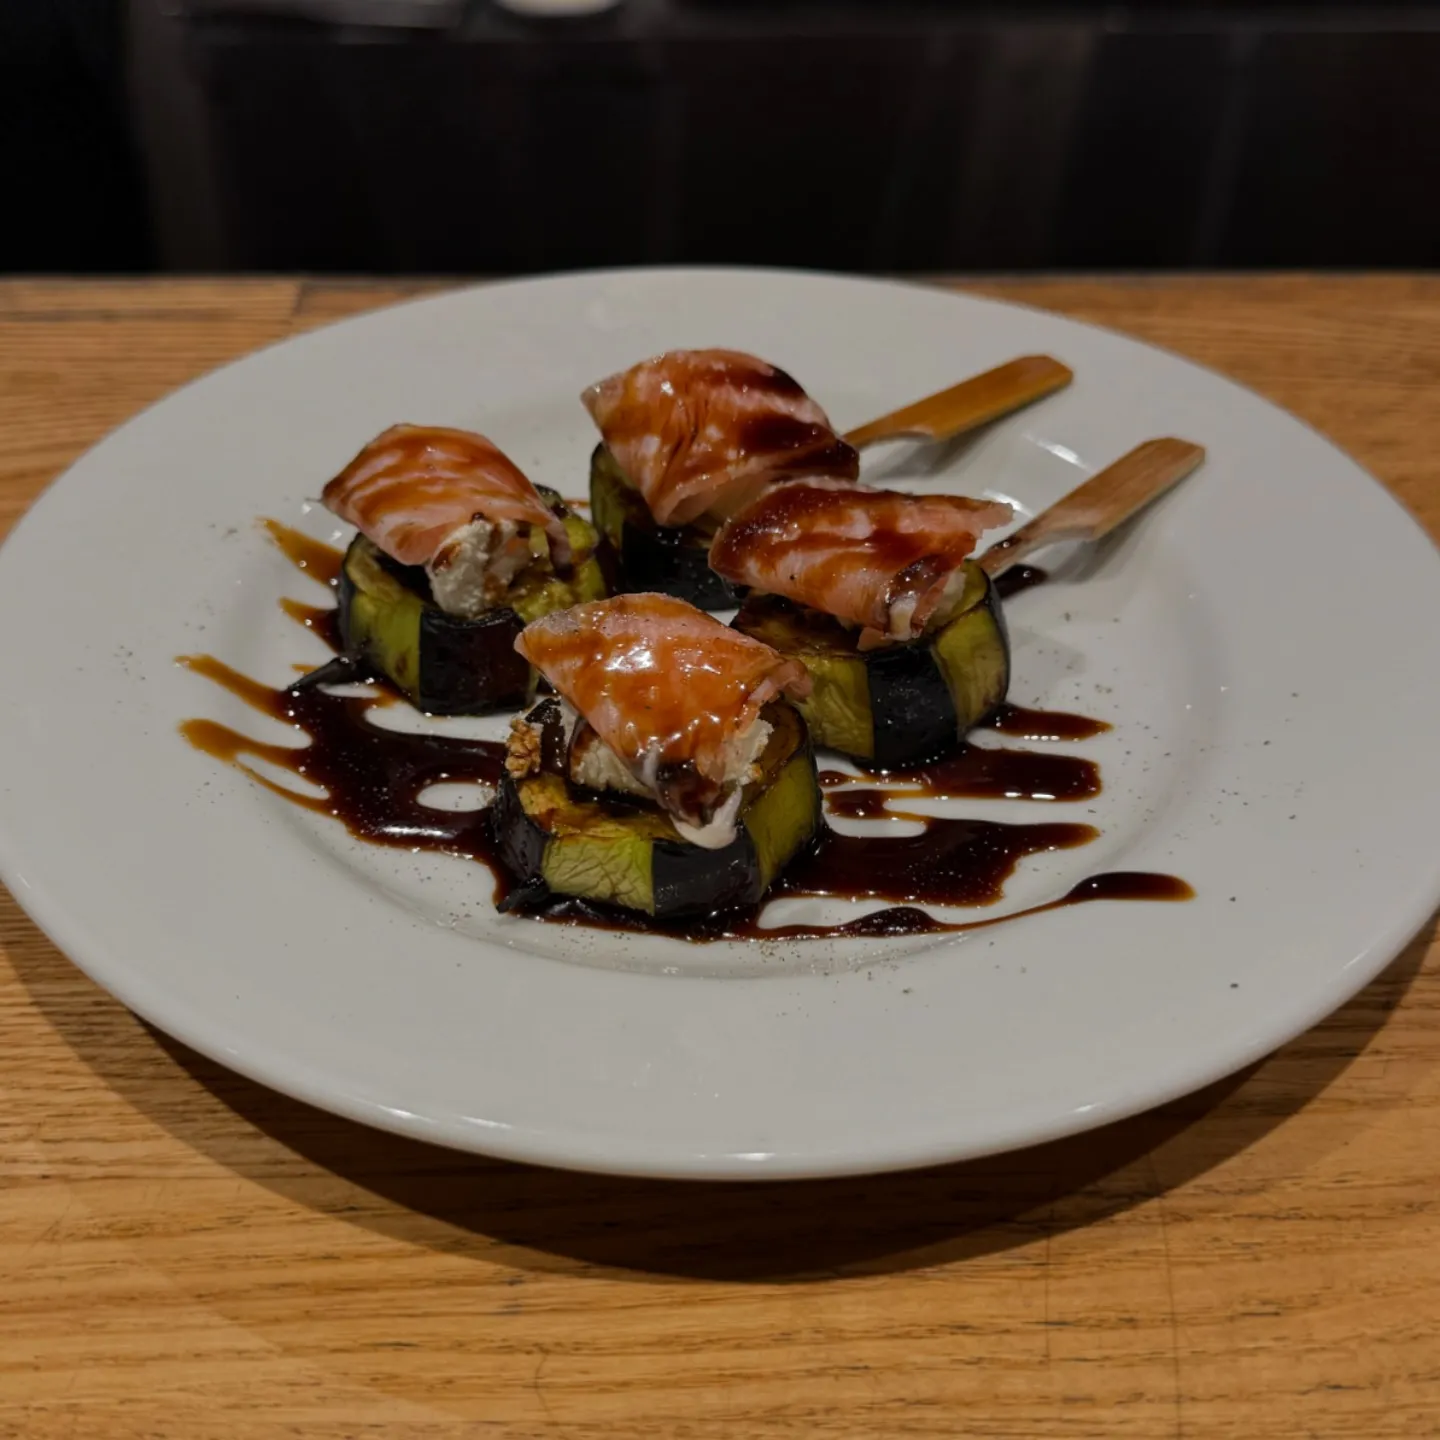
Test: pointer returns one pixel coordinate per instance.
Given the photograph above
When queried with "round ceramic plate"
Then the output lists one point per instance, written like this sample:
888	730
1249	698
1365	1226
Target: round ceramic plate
1272	744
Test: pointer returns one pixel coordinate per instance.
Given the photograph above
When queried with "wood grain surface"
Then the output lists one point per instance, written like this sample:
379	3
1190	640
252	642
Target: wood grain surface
184	1255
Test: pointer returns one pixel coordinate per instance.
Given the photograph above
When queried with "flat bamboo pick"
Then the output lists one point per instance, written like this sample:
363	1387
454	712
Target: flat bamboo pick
1104	501
971	403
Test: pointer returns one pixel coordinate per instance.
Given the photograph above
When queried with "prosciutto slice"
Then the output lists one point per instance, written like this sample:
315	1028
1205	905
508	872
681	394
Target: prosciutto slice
879	559
701	431
675	695
413	487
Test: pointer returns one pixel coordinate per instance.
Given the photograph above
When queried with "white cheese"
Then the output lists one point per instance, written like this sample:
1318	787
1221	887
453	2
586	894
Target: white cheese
473	567
719	831
740	758
596	766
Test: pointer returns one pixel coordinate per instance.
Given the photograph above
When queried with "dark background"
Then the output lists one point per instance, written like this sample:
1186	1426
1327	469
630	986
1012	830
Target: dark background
221	134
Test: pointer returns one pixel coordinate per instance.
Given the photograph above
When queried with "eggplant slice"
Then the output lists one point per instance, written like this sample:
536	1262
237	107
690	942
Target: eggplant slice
667	559
559	840
446	665
897	705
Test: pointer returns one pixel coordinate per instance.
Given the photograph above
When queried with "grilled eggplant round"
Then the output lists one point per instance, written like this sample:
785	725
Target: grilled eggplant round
900	704
668	559
559	840
444	664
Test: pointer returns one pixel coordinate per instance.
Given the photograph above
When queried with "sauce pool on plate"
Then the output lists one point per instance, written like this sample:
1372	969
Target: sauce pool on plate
373	777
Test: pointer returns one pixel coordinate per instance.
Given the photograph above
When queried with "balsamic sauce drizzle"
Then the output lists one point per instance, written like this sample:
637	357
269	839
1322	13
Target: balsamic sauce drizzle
1019	578
975	772
373	777
1027	724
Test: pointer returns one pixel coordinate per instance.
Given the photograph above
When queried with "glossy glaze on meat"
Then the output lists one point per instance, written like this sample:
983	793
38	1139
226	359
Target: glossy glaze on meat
700	431
873	558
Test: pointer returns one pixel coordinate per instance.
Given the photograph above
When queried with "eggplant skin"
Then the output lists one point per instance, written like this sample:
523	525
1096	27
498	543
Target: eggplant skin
671	560
559	841
443	664
897	705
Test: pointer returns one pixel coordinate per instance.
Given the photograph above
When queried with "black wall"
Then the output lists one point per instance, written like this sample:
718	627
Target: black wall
68	172
887	136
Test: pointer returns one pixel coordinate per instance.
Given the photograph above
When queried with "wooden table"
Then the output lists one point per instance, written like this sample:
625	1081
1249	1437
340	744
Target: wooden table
184	1255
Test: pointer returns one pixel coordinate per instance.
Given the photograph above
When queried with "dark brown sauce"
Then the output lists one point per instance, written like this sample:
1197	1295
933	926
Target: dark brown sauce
975	772
775	430
797	447
893	920
908	920
1027	724
372	778
1019	578
323	620
982	773
744	373
859	802
950	862
321	562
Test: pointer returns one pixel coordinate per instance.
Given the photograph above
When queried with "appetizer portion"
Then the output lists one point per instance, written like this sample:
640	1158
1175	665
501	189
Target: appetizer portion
669	775
687	438
903	637
456	552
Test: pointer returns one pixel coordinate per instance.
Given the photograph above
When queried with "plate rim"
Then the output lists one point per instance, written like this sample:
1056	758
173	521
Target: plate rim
50	914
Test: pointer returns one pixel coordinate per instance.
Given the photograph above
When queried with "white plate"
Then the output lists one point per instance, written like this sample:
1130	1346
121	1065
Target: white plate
1263	642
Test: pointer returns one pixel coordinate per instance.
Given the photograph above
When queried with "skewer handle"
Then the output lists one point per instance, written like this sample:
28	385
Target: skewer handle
1105	500
971	403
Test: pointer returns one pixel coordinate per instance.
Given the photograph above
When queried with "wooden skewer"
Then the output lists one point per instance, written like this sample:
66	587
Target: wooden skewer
1105	500
971	403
